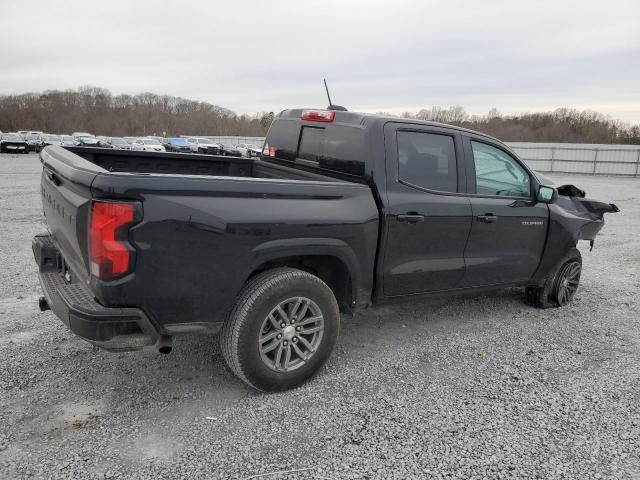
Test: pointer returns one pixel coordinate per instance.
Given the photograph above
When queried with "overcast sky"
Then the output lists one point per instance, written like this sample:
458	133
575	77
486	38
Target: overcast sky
392	55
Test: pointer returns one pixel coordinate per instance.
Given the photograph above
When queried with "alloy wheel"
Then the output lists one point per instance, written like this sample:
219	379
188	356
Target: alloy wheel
291	334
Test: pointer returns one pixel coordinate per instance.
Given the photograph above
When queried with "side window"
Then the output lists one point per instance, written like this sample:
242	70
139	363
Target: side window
497	173
427	160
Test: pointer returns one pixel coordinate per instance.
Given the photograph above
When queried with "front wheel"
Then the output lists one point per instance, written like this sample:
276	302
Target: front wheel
560	286
282	329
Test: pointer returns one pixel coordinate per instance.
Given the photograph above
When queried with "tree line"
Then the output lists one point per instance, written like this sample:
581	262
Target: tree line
96	110
563	125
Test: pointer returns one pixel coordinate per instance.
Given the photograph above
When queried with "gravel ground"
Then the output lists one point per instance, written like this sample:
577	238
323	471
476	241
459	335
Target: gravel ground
471	387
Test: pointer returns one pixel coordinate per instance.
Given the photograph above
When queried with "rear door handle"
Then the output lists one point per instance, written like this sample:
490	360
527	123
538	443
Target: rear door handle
487	218
410	218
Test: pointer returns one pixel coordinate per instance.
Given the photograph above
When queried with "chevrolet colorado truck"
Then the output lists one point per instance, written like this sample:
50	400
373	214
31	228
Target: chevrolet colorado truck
342	211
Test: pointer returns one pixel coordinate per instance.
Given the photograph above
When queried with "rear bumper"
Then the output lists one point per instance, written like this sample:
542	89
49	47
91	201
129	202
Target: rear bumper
114	329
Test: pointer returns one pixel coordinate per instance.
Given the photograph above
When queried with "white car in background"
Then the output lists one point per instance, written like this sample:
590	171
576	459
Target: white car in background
68	141
86	139
249	150
203	145
148	145
48	139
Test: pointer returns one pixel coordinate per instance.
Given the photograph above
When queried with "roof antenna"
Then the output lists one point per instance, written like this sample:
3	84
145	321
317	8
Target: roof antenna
331	105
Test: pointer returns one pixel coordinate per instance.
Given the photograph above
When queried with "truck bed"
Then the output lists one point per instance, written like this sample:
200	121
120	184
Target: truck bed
208	223
123	161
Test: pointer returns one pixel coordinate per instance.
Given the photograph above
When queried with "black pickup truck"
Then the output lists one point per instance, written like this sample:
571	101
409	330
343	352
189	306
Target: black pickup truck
342	211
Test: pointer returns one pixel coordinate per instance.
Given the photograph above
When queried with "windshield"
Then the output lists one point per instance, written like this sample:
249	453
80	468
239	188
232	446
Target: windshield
67	138
33	136
11	138
178	141
204	140
151	141
51	138
250	145
118	141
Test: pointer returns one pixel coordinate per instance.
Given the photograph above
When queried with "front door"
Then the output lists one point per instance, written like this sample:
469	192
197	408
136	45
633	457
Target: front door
509	227
427	219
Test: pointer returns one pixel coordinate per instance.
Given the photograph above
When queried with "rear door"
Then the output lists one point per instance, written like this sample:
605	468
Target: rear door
428	218
509	226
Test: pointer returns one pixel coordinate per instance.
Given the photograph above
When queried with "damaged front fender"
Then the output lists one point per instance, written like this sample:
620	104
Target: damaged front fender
572	217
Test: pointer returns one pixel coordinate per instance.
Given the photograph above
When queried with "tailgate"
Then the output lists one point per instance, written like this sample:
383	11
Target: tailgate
66	199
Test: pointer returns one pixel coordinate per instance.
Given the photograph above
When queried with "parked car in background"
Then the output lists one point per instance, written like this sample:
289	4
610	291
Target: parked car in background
229	150
86	139
204	145
13	143
68	141
148	145
51	140
119	143
103	142
34	142
249	150
178	145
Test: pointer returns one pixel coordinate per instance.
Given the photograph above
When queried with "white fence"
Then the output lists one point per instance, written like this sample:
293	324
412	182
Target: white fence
589	158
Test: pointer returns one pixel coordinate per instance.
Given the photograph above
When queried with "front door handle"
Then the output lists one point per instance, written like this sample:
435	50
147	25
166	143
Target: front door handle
410	218
487	218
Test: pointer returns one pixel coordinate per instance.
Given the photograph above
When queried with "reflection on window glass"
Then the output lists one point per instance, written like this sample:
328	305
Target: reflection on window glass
427	160
497	173
336	148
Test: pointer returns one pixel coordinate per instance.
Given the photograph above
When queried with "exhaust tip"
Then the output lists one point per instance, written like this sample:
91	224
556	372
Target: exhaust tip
165	344
43	305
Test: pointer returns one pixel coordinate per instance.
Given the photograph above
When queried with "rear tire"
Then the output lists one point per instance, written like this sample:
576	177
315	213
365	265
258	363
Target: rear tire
282	329
560	286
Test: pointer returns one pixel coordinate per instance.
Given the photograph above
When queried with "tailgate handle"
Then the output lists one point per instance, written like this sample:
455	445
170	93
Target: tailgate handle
410	218
53	177
487	218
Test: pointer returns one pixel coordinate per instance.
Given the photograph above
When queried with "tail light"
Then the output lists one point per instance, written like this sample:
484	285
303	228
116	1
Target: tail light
318	115
110	254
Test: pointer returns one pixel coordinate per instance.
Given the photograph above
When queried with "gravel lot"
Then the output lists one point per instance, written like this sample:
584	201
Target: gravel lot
473	387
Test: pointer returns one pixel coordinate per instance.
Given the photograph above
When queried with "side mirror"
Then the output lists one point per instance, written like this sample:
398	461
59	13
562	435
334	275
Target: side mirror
547	194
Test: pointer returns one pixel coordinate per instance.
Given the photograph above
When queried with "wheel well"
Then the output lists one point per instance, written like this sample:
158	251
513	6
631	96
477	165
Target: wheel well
331	270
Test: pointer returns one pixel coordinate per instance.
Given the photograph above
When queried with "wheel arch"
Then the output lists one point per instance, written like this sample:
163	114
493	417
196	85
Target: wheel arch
331	260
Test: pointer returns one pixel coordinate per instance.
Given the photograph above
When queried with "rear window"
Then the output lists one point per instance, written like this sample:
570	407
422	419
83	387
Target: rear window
338	148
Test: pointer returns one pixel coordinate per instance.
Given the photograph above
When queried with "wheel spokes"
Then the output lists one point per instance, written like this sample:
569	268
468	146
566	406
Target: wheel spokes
308	320
291	334
308	331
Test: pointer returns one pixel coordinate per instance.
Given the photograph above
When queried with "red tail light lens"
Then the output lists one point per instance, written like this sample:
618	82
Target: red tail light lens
110	254
318	115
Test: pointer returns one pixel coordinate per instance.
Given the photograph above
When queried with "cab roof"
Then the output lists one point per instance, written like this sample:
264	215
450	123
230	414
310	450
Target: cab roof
366	119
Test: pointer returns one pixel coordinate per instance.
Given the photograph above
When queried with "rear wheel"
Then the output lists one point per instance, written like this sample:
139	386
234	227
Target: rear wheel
282	330
560	286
